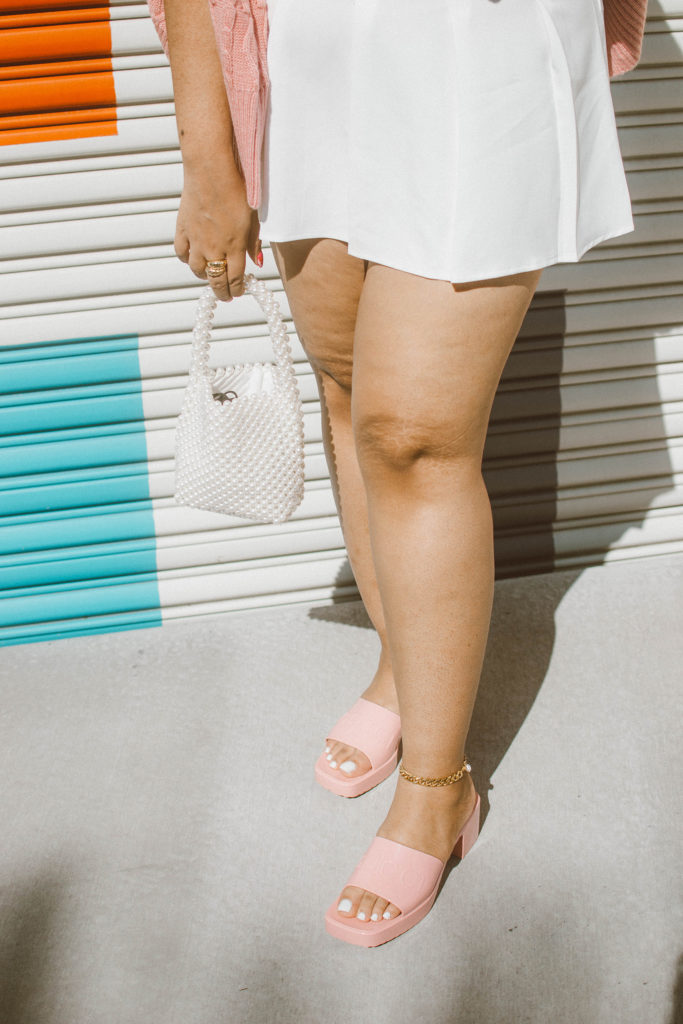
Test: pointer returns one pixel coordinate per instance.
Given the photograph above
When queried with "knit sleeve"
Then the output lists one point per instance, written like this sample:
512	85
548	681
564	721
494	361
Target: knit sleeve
156	13
624	29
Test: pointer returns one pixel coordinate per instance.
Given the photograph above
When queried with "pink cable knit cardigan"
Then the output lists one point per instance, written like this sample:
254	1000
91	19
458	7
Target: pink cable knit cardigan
241	28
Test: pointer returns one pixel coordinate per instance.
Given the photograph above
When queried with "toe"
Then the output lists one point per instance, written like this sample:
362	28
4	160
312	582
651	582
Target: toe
347	904
349	765
391	911
365	905
378	909
333	754
342	756
350	761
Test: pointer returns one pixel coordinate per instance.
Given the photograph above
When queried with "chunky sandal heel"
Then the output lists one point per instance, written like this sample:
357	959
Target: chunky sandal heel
470	832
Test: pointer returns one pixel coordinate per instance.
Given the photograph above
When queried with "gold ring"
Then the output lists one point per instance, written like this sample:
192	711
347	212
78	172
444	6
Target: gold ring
216	268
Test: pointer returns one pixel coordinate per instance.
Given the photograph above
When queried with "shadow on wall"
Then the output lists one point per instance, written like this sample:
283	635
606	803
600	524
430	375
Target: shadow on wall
523	442
576	450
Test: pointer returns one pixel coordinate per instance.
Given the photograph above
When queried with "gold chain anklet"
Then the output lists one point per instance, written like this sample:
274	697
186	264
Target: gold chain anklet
446	780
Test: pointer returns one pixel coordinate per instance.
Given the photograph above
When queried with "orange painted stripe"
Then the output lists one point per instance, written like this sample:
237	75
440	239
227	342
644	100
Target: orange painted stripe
69	131
52	119
38	19
65	92
18	6
62	67
57	76
71	41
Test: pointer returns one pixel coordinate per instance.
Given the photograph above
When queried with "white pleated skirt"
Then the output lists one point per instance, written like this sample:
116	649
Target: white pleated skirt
454	139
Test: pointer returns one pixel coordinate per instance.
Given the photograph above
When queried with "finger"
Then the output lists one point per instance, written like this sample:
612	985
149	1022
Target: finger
254	243
181	244
219	283
197	263
236	265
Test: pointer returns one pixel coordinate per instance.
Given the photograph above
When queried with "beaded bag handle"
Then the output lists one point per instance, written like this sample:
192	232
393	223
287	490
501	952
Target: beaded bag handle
201	334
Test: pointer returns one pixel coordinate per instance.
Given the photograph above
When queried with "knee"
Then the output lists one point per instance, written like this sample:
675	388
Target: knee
396	442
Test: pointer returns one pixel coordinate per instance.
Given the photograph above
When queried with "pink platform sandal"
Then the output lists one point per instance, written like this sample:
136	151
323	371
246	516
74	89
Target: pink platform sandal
405	877
374	730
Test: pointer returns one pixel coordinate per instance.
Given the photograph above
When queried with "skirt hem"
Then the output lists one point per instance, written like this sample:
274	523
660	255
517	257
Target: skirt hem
537	263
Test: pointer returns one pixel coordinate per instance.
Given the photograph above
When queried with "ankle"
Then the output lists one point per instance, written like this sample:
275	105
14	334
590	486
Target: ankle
382	688
421	763
429	819
384	673
460	790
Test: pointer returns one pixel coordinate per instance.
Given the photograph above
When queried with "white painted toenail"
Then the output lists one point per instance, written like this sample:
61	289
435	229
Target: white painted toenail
329	757
333	764
386	914
348	766
374	917
328	749
360	915
345	905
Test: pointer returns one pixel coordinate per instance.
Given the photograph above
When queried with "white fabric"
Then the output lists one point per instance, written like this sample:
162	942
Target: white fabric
475	141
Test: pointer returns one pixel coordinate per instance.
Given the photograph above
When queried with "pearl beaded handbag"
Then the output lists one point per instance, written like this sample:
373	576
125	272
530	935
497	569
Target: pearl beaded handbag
239	440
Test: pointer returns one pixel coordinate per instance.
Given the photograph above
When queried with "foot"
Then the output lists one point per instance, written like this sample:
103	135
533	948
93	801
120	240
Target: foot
350	761
425	818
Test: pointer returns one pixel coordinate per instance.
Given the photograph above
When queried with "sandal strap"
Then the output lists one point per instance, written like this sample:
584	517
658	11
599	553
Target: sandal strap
397	873
371	728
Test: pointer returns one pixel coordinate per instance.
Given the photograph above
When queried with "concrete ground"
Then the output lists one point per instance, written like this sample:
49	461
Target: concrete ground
167	857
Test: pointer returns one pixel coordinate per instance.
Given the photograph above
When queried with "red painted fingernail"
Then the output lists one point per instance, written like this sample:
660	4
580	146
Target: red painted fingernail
259	258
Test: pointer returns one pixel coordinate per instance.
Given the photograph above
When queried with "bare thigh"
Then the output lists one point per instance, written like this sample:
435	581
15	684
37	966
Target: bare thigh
425	355
323	286
428	358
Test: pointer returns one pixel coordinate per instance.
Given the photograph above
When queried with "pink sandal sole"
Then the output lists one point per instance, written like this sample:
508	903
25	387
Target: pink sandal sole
405	877
374	730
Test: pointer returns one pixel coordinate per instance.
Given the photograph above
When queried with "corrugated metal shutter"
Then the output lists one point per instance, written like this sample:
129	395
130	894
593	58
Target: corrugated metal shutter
584	456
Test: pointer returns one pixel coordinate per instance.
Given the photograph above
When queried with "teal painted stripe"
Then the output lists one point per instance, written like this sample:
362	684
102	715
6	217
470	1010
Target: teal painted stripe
66	530
65	513
65	371
77	544
78	627
129	486
85	551
70	347
50	479
71	601
63	565
104	449
58	415
75	433
65	586
39	397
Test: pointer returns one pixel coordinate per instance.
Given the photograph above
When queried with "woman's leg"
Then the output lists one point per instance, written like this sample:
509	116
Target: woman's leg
323	286
428	356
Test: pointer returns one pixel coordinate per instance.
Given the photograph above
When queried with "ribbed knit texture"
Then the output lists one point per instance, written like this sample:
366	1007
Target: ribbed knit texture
624	27
241	28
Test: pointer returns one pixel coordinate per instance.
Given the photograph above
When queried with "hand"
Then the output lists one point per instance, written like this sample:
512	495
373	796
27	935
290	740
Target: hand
215	222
